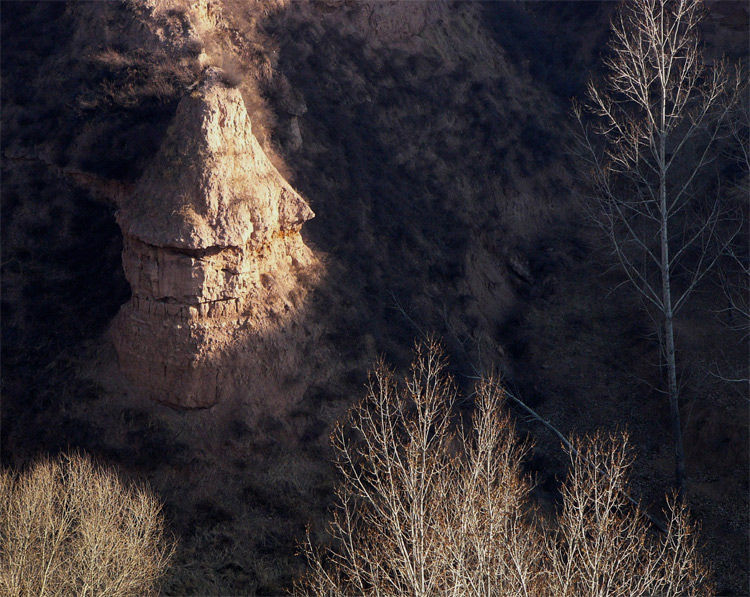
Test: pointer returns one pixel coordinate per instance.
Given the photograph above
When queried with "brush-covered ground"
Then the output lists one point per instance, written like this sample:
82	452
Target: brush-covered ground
432	145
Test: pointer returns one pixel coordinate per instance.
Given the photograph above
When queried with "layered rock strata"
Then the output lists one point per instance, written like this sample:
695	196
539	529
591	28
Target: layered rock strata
212	251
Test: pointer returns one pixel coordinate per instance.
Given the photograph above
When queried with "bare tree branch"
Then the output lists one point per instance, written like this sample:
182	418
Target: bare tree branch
658	116
446	508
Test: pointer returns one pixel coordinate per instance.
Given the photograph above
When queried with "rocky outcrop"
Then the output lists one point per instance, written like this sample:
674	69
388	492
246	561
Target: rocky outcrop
212	251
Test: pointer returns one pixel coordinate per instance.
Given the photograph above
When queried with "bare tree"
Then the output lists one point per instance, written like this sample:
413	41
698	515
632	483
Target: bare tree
652	133
427	506
602	547
421	509
69	527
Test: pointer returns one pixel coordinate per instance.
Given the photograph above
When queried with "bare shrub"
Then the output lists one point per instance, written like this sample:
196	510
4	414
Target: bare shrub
427	506
601	545
69	527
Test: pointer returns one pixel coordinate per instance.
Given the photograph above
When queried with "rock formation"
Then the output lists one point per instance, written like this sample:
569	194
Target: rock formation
211	249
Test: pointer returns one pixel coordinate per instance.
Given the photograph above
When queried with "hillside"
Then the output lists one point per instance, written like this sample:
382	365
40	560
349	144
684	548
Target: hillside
431	142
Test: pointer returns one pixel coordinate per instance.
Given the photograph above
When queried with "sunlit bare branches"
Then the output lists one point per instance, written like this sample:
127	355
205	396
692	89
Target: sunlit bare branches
430	506
68	527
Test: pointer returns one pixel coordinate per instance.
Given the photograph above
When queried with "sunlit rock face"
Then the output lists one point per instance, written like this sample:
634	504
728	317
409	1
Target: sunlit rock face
212	251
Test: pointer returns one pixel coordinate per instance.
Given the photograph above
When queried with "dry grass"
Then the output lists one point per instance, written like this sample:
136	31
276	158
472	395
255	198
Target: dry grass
69	527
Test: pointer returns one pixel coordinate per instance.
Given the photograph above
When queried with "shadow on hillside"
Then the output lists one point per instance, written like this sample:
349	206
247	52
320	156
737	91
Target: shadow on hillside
91	102
73	102
408	163
532	33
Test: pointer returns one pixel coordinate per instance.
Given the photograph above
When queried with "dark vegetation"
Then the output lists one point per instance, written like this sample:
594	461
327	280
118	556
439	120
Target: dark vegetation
110	103
532	33
400	164
56	241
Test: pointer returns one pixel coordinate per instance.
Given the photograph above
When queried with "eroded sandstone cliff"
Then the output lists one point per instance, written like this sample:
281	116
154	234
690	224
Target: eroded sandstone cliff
211	249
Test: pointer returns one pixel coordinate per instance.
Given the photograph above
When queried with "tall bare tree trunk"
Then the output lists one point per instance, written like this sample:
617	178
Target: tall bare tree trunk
669	350
667	312
657	117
